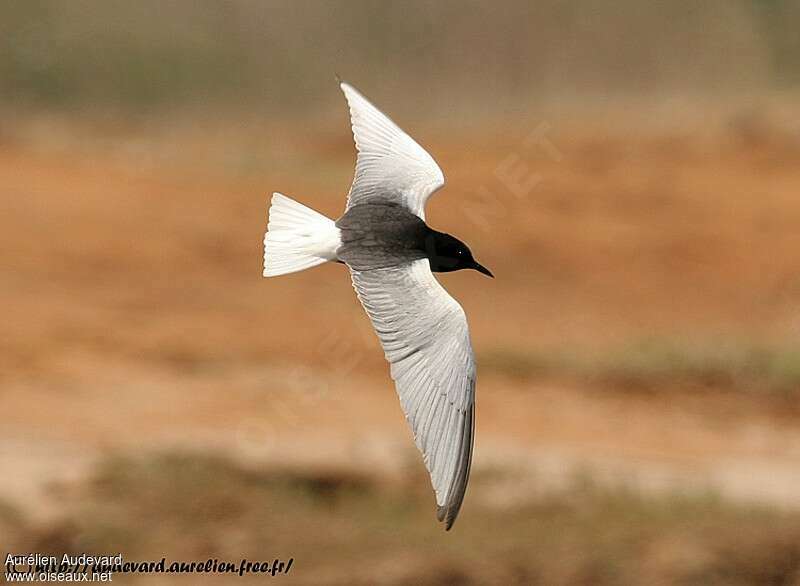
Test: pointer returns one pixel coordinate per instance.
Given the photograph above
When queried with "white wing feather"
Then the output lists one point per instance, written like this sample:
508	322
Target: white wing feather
425	338
390	165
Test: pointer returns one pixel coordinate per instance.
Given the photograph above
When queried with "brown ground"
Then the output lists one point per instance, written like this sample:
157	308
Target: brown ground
136	322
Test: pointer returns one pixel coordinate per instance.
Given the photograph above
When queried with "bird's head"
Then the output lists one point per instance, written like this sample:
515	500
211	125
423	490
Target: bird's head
447	253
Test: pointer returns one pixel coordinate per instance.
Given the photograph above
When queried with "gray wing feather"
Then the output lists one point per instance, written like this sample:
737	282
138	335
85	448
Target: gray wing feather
425	338
390	164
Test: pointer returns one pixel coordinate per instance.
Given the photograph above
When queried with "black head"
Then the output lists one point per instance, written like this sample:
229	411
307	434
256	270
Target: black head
450	254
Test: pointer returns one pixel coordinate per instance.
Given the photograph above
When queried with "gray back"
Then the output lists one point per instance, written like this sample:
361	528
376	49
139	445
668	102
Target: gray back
381	234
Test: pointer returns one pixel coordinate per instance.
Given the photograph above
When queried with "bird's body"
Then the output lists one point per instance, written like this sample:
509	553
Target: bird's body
380	235
391	252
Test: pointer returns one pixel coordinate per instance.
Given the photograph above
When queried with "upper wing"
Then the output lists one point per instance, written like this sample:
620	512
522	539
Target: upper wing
425	337
390	164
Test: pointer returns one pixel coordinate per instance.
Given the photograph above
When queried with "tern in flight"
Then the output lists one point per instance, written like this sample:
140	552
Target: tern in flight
392	254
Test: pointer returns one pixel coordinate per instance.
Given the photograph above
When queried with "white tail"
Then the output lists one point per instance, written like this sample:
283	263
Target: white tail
297	237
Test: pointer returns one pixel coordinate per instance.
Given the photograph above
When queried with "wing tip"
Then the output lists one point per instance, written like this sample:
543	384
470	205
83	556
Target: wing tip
447	515
448	512
348	90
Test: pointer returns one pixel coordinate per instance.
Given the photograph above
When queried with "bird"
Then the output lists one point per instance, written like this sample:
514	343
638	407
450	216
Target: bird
391	254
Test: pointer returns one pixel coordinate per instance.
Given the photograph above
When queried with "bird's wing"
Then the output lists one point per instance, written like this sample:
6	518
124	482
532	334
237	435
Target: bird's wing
424	335
390	164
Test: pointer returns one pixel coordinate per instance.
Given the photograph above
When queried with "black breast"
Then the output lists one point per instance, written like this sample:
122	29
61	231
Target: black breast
379	235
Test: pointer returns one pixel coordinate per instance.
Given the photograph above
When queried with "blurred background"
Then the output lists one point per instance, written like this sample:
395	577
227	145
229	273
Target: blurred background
628	170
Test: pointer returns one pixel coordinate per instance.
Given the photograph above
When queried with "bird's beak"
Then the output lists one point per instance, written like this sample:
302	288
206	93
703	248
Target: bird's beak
482	269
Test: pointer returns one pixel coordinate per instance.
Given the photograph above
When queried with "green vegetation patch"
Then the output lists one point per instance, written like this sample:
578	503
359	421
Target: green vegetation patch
658	363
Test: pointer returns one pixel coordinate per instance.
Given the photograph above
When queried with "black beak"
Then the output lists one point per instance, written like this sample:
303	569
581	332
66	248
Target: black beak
482	269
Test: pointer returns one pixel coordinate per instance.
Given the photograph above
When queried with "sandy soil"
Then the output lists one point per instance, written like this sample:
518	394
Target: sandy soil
136	318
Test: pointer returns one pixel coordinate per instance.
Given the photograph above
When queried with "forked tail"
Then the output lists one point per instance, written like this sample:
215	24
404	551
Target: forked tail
297	237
